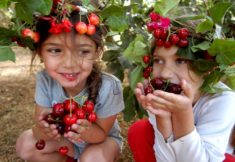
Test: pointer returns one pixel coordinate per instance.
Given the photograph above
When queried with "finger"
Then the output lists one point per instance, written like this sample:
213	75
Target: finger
187	89
73	136
171	98
157	101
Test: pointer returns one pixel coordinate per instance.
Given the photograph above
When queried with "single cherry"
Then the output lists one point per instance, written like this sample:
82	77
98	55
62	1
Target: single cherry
58	109
70	119
157	83
81	114
40	144
88	106
70	105
94	19
63	150
90	29
92	117
183	33
81	27
174	88
148	90
146	59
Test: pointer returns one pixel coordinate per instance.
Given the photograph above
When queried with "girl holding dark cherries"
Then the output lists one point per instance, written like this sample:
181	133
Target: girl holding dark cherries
188	121
76	104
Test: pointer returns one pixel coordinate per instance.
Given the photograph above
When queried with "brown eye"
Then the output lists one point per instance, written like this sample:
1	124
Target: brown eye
181	61
158	61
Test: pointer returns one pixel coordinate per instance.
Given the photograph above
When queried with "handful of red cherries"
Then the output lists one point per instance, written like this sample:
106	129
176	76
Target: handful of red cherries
159	84
64	115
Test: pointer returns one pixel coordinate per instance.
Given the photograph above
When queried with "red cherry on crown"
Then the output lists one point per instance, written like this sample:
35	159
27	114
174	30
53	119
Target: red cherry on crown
81	27
94	19
174	39
90	29
40	144
183	33
183	43
146	59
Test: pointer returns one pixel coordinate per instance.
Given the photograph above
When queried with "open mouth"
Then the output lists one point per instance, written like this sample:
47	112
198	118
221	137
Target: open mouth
70	76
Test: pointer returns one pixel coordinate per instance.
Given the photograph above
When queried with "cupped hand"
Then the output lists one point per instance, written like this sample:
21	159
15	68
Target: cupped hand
79	128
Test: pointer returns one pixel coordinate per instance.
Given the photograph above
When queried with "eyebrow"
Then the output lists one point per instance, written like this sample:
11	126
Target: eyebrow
58	44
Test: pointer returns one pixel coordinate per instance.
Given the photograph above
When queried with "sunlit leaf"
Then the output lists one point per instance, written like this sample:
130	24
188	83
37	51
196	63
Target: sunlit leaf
6	53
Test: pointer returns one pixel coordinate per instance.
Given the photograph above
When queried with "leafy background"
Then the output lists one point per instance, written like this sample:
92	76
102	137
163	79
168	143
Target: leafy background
127	35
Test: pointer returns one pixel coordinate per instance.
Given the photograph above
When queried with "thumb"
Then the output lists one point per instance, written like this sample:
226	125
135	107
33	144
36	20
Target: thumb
187	89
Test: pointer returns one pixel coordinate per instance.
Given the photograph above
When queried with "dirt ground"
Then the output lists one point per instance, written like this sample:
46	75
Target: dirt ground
17	87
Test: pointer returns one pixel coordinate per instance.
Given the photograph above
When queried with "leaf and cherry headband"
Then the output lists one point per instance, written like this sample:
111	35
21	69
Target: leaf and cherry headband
59	21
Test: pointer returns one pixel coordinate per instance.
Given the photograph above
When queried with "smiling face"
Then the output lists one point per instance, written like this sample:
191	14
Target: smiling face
169	66
69	60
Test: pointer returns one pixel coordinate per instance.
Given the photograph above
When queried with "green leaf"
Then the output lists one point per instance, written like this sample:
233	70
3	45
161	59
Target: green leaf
164	6
205	26
117	23
218	11
186	52
205	45
136	76
129	100
26	8
136	50
4	3
223	50
113	10
6	53
210	81
110	55
231	81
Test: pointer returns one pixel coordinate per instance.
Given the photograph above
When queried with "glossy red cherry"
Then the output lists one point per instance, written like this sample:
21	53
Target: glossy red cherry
40	144
70	119
81	27
90	29
27	33
70	105
159	42
183	33
157	33
183	43
63	150
88	106
81	114
146	59
174	39
167	44
94	19
92	117
58	109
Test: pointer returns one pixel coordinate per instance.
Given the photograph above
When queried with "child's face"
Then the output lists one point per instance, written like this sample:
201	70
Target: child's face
169	66
69	60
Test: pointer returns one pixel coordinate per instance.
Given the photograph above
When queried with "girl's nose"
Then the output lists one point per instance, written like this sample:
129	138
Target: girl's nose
69	59
166	72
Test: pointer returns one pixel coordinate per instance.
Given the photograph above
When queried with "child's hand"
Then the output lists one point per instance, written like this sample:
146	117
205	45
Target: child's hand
147	102
49	130
82	126
173	102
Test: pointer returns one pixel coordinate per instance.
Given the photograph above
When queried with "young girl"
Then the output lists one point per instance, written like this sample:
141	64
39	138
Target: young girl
71	71
191	126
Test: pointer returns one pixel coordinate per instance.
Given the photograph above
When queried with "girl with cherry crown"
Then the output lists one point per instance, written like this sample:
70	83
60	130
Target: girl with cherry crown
190	111
76	104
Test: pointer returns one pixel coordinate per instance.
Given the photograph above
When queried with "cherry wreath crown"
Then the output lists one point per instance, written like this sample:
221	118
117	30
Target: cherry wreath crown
26	36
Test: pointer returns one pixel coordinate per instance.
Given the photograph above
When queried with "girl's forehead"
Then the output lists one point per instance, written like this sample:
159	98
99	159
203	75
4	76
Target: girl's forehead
68	38
165	52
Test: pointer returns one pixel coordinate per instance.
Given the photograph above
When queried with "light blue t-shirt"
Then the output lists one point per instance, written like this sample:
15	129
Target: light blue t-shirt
109	100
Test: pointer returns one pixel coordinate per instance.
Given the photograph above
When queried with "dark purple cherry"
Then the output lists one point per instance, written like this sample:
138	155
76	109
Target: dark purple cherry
157	83
148	90
174	88
40	144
